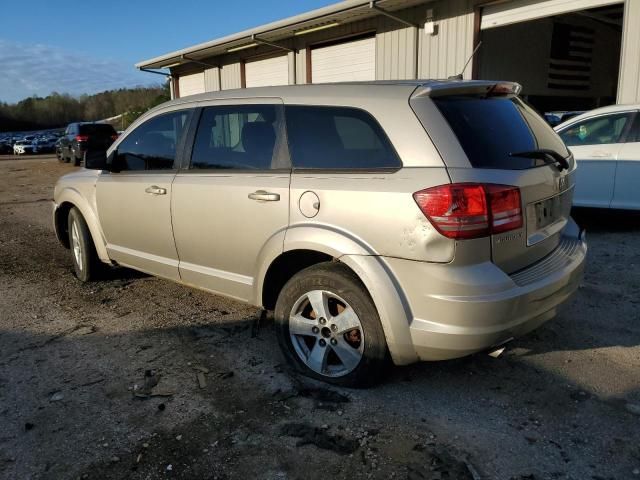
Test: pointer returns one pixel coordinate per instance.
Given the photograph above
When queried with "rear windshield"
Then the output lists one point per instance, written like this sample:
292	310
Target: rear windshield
490	128
97	129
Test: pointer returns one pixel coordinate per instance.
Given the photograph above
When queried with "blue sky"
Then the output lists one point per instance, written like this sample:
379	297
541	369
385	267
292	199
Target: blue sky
90	46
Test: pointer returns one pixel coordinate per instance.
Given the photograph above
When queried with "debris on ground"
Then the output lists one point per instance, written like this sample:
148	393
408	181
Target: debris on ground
56	397
149	387
440	464
202	381
310	435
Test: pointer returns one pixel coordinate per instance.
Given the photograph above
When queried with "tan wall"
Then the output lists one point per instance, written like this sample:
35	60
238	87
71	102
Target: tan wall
629	79
445	53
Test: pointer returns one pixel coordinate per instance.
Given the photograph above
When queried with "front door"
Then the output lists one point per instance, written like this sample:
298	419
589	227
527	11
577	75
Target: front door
594	144
134	205
626	194
232	202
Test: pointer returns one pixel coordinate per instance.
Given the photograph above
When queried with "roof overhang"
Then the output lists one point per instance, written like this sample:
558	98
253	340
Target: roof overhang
346	11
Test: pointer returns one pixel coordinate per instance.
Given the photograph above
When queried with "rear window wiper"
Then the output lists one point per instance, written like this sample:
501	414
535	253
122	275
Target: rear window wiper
550	157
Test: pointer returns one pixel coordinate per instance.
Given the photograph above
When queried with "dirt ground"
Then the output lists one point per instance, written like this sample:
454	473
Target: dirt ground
562	403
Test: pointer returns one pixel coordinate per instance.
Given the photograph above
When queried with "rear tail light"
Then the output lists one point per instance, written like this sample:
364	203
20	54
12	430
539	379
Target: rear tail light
471	210
114	137
82	138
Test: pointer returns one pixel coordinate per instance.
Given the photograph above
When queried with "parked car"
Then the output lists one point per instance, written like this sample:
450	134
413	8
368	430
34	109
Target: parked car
378	221
44	145
22	147
606	145
78	137
6	148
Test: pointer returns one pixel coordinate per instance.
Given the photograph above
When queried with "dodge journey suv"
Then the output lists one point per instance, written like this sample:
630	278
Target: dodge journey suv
400	221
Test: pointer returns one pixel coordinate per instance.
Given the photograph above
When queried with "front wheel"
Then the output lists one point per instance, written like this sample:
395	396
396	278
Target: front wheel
328	327
86	263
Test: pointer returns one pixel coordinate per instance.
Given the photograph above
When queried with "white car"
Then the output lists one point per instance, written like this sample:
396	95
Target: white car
606	144
22	147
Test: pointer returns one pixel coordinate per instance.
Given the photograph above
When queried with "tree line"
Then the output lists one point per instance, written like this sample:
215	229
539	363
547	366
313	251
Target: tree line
59	109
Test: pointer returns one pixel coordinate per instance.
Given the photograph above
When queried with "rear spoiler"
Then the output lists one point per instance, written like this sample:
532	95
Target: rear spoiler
467	87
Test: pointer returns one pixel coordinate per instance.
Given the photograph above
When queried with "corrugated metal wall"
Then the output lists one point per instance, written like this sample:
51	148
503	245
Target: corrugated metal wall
445	53
231	76
396	55
212	79
629	79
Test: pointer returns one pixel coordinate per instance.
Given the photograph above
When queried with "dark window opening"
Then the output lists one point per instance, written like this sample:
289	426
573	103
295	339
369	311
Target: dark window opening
337	138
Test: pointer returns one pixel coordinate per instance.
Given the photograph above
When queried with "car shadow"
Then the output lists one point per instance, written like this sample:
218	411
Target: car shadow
606	220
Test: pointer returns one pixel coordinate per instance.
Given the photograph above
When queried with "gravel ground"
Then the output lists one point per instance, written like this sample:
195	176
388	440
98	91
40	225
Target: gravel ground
76	361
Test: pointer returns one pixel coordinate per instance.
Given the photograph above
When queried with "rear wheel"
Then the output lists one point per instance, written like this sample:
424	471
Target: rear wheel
86	264
328	327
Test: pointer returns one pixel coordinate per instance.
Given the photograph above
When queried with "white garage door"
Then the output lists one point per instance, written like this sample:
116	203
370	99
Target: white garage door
270	71
344	62
523	10
191	84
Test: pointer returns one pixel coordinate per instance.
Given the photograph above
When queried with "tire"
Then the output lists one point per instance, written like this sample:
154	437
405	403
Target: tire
348	350
86	264
76	161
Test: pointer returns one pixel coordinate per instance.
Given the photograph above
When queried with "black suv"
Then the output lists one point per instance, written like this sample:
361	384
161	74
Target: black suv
79	137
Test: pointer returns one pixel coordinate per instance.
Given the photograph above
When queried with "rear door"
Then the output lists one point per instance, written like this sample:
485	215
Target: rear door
626	194
485	134
230	205
595	144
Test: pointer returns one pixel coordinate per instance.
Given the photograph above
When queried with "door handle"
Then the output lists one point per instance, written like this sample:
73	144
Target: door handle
601	155
154	190
264	196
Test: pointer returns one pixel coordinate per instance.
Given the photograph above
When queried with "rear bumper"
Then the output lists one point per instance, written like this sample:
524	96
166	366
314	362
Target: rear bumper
459	310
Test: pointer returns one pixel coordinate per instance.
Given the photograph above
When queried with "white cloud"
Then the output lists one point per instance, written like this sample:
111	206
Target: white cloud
27	70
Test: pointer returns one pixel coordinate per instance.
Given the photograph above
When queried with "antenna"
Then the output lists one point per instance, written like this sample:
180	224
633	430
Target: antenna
461	74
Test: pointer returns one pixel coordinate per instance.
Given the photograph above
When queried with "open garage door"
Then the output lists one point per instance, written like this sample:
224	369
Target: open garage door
524	10
191	84
266	72
565	58
344	62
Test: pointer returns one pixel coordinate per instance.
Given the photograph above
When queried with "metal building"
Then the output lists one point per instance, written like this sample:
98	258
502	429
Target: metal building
567	54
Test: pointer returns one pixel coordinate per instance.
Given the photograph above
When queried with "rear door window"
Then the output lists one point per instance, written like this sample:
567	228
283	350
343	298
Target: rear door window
239	137
602	130
489	129
337	138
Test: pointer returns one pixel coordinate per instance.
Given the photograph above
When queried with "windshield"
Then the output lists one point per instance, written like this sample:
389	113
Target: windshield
489	129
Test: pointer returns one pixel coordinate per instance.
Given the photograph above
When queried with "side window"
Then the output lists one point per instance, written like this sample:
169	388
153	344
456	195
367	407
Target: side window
596	131
239	137
634	134
153	145
337	138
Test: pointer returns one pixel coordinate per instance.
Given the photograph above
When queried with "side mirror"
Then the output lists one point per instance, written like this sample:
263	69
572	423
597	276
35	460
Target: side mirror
96	160
115	162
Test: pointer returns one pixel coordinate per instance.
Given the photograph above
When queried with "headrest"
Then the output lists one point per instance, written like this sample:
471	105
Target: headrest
258	137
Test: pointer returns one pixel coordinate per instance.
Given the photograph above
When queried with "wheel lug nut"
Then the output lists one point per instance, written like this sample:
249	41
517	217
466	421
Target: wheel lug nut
322	342
322	321
334	327
315	329
334	341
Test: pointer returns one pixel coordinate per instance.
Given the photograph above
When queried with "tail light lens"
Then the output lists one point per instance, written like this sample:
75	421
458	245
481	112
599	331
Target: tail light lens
471	210
114	137
82	138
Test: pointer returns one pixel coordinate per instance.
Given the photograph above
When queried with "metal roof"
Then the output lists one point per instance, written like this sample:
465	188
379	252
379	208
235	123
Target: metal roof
342	12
